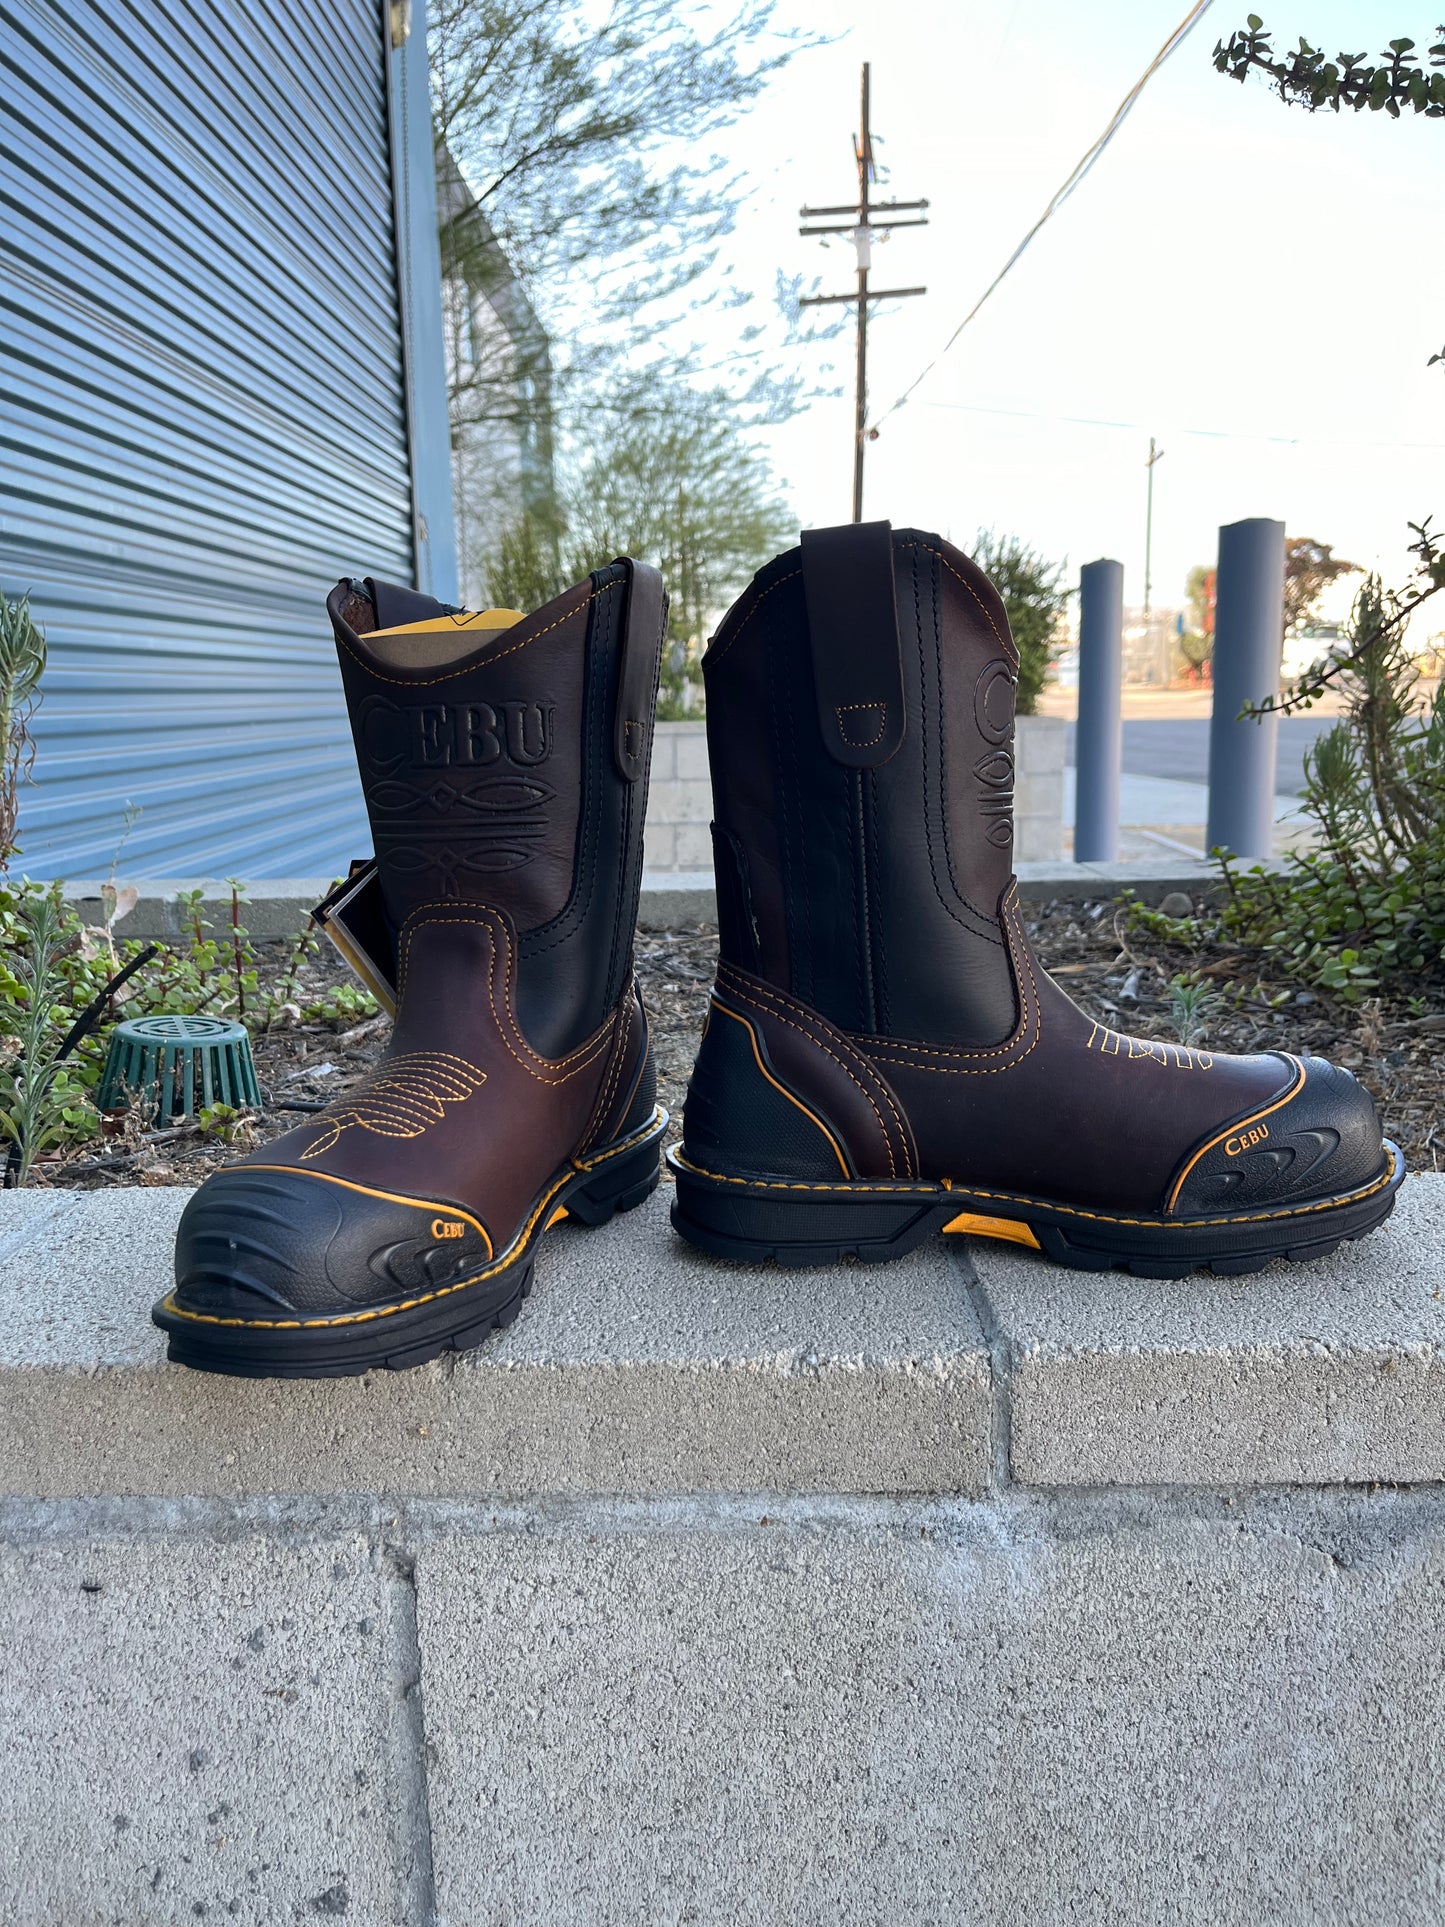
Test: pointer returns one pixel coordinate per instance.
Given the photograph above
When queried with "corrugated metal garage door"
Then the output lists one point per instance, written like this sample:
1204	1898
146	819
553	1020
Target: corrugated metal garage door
203	420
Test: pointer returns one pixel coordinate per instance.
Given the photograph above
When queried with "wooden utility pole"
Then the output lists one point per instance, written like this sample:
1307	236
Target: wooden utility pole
864	224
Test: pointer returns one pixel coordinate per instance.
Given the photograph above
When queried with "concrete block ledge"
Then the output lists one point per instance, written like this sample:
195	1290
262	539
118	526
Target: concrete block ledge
1320	1374
279	906
638	1367
641	1367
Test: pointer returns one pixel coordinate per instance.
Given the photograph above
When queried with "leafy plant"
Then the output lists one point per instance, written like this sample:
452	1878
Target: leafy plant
226	1123
1035	597
1397	83
341	1004
42	1099
1307	78
1193	1005
22	665
1365	908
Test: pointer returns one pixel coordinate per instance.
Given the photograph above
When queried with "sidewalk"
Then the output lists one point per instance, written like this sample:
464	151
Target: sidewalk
1158	815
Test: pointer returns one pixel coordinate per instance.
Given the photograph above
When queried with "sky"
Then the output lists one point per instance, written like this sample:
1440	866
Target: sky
1258	288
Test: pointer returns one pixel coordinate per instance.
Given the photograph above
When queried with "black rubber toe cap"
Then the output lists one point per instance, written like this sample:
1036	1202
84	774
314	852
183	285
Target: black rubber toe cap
257	1243
1319	1141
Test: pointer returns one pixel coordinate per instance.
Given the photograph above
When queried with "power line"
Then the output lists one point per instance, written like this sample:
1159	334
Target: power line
1206	434
1121	113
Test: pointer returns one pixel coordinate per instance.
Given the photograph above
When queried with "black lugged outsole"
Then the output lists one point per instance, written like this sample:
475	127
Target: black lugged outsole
751	1219
394	1336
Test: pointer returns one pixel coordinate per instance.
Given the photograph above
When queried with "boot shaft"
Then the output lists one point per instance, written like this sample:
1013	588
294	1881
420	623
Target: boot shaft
507	769
860	704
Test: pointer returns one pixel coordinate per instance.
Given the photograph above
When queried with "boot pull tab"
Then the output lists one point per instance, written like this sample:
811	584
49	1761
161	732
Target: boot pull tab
853	625
642	634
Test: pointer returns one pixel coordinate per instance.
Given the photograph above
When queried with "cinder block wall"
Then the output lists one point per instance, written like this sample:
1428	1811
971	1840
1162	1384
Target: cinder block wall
679	804
679	800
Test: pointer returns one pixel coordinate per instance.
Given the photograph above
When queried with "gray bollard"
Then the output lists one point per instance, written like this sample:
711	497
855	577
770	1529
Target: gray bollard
1248	640
1099	735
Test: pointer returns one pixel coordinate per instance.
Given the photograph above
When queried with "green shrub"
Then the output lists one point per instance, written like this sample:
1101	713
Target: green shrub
1363	911
1034	595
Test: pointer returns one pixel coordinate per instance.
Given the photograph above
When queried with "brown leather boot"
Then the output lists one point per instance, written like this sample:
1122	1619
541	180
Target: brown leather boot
884	1057
505	773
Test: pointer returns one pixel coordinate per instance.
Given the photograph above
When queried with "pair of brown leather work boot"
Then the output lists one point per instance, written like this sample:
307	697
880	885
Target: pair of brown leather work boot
883	1058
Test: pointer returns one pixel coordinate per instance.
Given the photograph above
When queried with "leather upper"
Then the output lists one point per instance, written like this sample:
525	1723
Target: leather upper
871	942
873	892
506	790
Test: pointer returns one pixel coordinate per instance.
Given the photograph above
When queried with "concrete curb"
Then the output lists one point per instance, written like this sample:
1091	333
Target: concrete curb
279	906
641	1366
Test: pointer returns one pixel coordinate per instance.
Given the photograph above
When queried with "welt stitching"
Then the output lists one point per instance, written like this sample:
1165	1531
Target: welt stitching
798	1021
951	1194
429	682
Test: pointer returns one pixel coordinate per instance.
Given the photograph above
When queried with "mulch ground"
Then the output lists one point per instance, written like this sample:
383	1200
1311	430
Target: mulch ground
1116	975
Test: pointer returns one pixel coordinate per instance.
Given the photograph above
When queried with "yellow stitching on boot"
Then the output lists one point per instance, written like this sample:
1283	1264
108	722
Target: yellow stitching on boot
480	916
783	1017
928	549
741	986
762	597
408	1094
429	682
1242	1124
842	709
1030	1016
947	1189
654	1128
811	1116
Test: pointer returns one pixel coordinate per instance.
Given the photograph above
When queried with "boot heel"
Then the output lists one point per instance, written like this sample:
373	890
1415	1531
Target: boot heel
798	1223
622	1181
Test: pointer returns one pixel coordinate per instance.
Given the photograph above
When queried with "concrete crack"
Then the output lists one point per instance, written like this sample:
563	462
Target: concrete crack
411	1761
1000	1371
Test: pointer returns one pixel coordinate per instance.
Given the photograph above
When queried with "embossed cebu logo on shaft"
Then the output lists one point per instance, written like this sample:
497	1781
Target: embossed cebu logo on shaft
434	736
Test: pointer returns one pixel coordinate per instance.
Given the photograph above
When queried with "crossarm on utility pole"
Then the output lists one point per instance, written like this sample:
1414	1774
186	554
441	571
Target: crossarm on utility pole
865	219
